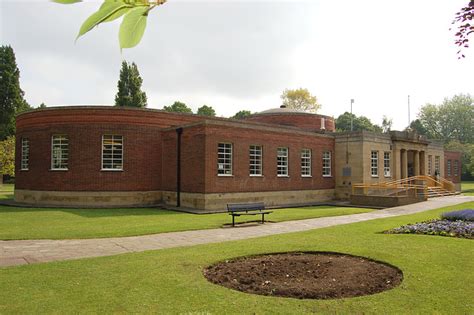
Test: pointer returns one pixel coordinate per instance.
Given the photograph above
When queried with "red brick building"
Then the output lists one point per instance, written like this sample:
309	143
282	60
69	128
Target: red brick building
109	156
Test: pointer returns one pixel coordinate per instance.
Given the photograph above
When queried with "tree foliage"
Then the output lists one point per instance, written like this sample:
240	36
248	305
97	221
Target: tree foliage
242	114
463	20
178	107
300	99
205	110
418	127
360	123
451	120
11	95
129	87
7	156
386	124
134	13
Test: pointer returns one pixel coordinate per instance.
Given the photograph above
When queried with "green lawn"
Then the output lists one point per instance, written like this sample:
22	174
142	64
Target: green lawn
49	223
438	277
6	191
467	188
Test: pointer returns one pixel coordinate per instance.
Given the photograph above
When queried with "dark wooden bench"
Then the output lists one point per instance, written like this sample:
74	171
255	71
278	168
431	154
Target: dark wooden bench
238	209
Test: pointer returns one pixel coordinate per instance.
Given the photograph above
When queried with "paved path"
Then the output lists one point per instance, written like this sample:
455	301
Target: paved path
37	251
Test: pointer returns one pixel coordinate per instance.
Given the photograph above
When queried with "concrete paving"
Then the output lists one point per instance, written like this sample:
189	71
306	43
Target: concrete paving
37	251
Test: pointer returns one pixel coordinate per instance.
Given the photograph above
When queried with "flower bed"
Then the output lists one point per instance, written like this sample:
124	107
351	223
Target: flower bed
454	223
463	215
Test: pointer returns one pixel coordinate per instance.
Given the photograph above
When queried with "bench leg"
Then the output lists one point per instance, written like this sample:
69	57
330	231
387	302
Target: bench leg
263	218
233	222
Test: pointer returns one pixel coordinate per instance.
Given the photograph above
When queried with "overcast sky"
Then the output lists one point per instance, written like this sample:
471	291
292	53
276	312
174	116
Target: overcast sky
235	55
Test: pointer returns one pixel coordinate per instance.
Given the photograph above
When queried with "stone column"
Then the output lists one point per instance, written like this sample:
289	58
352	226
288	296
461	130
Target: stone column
396	173
404	162
416	163
422	163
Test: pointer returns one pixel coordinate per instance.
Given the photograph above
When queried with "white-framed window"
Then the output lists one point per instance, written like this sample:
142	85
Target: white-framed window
282	162
255	160
430	164
224	159
112	153
437	164
59	152
386	164
449	168
326	163
374	163
306	162
456	167
25	154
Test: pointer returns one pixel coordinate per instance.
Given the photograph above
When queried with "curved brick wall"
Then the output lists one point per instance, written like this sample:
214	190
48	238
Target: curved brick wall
305	121
141	131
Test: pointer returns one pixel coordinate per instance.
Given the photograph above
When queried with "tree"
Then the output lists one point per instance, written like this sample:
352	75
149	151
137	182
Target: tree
241	114
451	120
178	107
129	87
7	156
300	99
464	19
42	105
386	124
11	95
418	127
343	123
205	110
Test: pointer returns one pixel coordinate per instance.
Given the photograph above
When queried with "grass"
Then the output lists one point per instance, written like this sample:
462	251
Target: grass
437	276
50	223
467	188
6	191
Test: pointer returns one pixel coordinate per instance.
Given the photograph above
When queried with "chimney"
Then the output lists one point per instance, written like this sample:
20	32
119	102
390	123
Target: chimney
323	123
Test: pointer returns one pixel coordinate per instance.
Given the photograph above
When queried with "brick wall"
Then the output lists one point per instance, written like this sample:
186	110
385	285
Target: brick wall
452	157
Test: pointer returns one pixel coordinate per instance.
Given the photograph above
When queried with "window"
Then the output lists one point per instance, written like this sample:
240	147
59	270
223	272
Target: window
456	168
224	159
437	165
255	152
306	163
374	163
282	162
112	152
430	164
326	164
386	164
449	168
59	152
25	154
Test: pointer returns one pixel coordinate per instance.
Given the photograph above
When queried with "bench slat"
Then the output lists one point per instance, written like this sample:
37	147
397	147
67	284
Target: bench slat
245	206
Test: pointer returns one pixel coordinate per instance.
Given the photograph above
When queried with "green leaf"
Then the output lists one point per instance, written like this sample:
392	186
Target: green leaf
108	11
66	1
132	27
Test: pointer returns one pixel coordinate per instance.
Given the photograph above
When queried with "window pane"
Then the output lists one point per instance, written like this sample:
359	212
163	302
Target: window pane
112	152
224	159
59	152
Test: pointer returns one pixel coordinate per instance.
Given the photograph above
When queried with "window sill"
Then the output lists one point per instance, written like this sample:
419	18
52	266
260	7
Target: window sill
327	176
111	170
374	176
225	175
306	176
283	176
24	169
58	169
256	175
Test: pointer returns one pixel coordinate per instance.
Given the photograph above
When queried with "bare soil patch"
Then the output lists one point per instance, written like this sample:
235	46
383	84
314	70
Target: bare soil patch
310	275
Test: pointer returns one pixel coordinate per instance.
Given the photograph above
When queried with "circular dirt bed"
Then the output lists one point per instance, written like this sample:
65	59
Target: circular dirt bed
314	275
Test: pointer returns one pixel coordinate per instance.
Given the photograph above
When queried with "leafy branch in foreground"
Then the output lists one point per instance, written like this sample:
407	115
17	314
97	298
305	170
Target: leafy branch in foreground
463	19
134	12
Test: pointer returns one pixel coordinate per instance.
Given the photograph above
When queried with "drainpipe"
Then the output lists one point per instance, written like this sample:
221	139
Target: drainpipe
179	132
